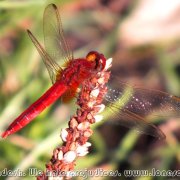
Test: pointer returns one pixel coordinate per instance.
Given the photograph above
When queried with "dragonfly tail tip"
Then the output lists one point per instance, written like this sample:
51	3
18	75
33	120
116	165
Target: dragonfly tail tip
4	134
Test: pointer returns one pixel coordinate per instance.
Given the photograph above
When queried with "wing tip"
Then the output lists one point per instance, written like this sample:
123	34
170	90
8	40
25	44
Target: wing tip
29	32
53	5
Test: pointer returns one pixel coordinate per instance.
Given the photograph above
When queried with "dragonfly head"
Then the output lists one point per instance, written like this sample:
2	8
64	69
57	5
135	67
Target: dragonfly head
99	59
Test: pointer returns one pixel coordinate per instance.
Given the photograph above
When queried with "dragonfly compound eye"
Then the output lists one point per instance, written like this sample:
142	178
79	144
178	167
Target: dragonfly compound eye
99	60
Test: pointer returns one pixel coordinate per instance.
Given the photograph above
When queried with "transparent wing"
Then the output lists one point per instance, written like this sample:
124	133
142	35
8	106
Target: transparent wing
131	120
131	104
52	67
55	43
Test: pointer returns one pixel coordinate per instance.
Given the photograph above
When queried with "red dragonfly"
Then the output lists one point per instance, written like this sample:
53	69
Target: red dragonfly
141	102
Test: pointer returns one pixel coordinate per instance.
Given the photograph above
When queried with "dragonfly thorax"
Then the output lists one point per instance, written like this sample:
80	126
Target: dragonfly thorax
77	71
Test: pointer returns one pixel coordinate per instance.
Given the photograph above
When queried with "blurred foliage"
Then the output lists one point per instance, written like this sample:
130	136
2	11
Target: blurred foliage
23	78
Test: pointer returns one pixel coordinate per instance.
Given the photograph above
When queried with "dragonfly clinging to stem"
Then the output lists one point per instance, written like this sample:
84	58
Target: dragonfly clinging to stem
68	80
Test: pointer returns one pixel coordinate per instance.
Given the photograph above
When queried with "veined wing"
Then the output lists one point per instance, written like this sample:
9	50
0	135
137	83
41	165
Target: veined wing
52	67
131	120
56	47
131	104
54	40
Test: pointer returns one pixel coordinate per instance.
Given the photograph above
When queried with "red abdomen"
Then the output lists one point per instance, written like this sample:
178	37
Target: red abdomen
36	108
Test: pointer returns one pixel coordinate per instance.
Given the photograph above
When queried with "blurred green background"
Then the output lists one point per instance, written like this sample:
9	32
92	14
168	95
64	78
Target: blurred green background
143	39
